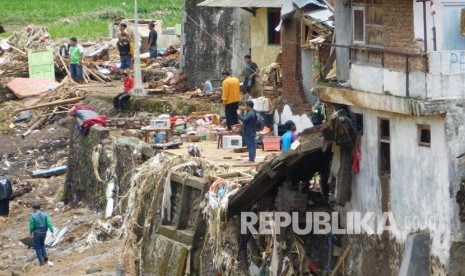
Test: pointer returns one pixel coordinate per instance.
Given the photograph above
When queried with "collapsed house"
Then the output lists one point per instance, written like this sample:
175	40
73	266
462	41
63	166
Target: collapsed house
401	91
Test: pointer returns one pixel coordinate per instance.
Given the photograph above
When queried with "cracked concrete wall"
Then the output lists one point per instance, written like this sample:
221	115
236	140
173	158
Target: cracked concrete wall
421	189
213	40
81	184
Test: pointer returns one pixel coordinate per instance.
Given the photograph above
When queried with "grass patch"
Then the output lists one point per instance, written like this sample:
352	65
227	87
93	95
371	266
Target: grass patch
86	19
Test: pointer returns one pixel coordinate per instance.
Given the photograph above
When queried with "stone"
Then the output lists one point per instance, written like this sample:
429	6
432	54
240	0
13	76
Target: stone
121	123
94	270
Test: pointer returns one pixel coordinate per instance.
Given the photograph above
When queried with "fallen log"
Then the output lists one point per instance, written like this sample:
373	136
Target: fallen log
20	191
55	103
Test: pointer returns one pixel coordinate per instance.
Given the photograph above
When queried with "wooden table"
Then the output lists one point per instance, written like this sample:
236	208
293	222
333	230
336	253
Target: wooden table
148	130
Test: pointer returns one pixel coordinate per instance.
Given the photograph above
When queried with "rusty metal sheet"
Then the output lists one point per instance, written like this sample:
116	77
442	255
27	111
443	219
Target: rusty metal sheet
25	88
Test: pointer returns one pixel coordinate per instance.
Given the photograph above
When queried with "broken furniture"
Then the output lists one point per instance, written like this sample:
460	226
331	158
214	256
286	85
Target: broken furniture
25	87
150	129
222	134
271	143
232	142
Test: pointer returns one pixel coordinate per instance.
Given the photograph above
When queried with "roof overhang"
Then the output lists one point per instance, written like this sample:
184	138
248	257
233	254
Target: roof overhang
241	3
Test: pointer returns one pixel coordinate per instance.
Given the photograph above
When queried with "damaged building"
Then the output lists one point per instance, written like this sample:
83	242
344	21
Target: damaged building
400	90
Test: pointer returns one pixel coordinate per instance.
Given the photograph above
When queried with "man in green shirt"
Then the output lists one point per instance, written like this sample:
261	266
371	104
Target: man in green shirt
251	70
76	53
38	225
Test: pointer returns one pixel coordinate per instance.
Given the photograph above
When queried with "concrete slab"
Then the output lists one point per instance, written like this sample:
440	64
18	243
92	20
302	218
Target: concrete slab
416	255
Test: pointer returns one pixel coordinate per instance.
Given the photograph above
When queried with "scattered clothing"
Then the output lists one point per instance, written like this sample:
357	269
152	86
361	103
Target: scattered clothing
6	190
88	117
38	225
249	133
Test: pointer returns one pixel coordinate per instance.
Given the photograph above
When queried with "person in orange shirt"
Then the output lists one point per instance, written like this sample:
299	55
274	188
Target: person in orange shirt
122	99
231	96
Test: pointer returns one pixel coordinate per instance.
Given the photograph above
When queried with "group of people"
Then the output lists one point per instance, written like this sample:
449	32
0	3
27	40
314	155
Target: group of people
39	222
125	48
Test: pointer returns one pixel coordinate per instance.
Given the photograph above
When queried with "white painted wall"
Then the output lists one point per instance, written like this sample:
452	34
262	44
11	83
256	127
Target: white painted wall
377	80
419	177
447	74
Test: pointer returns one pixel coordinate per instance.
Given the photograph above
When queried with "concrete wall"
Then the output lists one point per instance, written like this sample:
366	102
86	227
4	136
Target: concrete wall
342	13
376	79
262	53
417	189
447	74
212	41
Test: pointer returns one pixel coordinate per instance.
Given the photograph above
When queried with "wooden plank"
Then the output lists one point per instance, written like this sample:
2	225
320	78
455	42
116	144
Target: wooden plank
62	102
191	181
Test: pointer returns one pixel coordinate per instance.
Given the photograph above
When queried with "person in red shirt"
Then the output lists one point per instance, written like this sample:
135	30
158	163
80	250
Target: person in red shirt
121	101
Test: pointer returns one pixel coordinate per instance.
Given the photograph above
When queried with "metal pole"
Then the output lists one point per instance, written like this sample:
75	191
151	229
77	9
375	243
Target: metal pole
424	26
138	90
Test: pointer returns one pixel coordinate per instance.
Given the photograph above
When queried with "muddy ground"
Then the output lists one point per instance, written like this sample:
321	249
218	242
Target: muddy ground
75	255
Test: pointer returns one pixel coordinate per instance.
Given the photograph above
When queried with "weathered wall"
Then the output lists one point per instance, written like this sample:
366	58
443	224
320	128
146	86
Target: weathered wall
81	183
212	40
416	189
342	13
262	53
293	91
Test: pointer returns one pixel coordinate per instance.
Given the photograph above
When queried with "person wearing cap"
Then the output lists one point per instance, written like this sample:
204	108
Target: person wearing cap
248	129
38	225
289	136
231	96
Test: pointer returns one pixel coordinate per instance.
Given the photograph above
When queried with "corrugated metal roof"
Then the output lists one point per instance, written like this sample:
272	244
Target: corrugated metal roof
242	3
321	16
289	6
302	3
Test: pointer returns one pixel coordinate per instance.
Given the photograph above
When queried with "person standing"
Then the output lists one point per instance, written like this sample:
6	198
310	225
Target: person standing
153	36
248	129
250	72
231	96
5	193
126	51
76	53
122	99
288	137
38	225
122	29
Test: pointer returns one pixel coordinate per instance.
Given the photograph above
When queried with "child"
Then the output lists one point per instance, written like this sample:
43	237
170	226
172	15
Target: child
122	99
76	53
289	137
126	51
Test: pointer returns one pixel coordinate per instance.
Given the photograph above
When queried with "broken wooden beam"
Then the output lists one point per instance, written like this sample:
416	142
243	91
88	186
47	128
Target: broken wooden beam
55	103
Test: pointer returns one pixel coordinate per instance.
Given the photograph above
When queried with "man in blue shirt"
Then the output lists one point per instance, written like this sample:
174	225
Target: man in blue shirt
248	129
153	36
288	137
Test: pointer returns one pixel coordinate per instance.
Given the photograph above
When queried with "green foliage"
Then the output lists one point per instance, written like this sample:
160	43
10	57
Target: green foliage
86	19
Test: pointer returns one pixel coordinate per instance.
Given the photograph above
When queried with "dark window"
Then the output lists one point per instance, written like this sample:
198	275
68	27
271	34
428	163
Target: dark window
358	119
384	130
274	17
424	135
384	147
359	25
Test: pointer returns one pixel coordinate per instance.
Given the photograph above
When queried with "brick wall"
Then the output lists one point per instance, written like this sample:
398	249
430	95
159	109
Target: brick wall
293	91
399	35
